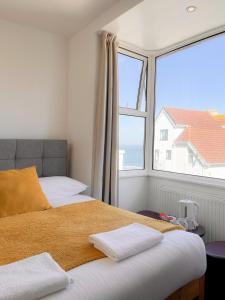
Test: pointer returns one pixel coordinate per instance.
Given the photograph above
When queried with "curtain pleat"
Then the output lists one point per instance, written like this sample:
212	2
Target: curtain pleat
105	168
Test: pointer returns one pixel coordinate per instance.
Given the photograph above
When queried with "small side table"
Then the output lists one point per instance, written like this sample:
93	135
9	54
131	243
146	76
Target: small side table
214	280
200	230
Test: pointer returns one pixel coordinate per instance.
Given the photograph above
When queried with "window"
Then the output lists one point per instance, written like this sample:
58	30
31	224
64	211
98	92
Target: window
190	104
168	154
156	154
132	146
132	69
164	135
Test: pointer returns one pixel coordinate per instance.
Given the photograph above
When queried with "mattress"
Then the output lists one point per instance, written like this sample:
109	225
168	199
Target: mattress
151	275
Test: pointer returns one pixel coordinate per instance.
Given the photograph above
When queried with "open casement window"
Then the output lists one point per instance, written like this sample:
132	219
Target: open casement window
133	110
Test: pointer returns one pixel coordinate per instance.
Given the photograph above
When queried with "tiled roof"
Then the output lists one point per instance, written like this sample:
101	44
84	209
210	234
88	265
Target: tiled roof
209	142
205	131
194	118
220	119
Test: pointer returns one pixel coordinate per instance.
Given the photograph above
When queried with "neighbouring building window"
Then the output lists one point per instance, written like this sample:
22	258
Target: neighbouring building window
190	105
168	154
132	69
164	135
156	154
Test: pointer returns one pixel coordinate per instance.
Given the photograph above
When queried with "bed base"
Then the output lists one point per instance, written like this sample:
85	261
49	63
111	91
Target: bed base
191	291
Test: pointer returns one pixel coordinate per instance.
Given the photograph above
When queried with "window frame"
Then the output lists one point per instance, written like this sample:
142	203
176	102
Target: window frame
135	113
187	178
151	56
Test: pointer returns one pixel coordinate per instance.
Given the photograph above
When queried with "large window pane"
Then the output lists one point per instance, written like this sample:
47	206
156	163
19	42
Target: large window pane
190	110
130	71
131	142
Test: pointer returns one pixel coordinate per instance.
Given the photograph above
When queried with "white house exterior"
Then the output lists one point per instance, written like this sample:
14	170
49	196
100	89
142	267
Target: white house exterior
190	142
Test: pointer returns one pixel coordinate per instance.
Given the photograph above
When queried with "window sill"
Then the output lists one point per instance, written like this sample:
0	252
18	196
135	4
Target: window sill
183	178
133	173
189	179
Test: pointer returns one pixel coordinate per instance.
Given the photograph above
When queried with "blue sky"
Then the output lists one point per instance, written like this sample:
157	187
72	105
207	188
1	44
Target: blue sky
193	78
131	130
129	76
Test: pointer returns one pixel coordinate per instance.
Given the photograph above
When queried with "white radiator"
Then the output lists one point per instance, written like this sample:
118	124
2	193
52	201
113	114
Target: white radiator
164	197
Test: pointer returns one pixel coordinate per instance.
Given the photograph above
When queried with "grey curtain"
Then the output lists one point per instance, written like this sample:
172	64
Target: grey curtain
105	168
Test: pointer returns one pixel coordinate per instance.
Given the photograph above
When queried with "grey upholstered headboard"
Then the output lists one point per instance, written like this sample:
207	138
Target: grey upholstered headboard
49	156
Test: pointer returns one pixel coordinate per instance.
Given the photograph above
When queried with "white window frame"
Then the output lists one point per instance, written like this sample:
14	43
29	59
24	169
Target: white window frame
201	180
135	113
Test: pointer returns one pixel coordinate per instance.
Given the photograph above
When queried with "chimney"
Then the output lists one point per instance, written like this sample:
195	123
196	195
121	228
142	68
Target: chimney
212	112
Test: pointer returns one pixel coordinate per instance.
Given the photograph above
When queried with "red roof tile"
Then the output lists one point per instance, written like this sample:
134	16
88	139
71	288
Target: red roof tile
209	142
194	118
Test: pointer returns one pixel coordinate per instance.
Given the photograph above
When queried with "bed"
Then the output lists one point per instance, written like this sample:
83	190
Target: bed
174	269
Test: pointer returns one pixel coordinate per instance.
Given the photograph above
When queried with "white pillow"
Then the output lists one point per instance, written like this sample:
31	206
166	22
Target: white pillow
56	187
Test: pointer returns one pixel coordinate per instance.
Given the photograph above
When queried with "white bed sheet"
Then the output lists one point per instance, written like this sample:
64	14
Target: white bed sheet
151	275
69	200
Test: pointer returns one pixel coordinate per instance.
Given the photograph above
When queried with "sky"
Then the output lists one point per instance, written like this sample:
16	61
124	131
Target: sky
131	130
192	78
129	76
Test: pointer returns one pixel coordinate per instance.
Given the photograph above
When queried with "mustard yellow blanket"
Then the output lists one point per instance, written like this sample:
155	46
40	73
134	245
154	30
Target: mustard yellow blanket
64	232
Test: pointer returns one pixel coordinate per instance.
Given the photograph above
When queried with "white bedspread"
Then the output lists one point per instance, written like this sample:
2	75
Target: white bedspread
151	275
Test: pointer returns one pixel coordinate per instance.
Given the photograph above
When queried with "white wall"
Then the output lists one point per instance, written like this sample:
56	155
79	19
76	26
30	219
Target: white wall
134	193
83	79
33	73
163	122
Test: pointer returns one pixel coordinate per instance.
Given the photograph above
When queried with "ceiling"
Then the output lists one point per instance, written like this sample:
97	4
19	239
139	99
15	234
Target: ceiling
60	16
154	25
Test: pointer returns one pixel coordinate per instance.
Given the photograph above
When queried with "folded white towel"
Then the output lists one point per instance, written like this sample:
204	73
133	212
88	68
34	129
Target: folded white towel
31	278
126	241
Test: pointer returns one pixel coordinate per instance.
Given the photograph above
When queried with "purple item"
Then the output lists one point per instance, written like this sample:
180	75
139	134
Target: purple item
216	249
150	214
